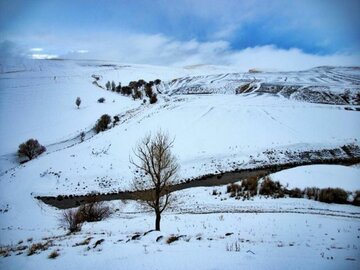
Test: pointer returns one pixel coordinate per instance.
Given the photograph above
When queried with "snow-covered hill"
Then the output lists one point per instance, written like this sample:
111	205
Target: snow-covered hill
327	85
217	130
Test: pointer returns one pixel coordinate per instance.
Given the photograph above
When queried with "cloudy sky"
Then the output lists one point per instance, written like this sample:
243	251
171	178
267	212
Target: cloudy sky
253	33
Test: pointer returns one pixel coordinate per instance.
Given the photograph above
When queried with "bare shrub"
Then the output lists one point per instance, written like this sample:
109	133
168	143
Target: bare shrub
94	211
72	220
172	239
90	212
103	123
333	195
296	193
233	247
271	188
35	248
31	149
233	189
250	184
312	193
53	254
356	200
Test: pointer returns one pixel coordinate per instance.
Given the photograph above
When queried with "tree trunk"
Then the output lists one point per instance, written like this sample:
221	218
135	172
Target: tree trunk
157	221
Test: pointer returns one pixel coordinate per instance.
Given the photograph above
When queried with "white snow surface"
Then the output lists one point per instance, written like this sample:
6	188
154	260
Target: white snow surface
212	132
321	176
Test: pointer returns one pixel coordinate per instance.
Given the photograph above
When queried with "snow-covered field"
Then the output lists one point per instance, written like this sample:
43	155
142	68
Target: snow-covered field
212	132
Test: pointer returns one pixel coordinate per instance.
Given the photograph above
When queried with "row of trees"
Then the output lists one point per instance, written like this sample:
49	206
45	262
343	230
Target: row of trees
136	89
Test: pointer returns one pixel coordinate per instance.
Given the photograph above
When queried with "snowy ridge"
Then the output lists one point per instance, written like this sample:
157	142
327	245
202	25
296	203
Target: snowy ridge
328	85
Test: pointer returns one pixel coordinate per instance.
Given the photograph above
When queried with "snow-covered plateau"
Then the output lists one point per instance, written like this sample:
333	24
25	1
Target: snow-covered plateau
220	120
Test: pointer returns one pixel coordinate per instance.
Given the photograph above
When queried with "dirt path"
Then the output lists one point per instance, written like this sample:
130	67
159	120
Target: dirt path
65	202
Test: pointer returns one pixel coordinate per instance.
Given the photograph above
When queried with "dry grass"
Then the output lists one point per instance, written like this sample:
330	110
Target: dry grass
333	195
172	239
271	188
53	254
35	248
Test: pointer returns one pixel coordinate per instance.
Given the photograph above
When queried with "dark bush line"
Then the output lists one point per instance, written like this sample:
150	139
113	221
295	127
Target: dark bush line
274	189
134	89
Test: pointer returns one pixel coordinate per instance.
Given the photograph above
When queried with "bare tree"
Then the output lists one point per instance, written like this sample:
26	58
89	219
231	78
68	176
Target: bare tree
157	170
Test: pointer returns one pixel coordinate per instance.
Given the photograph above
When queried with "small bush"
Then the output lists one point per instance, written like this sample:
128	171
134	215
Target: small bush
271	188
103	123
333	195
53	254
94	211
295	193
250	184
356	200
34	248
172	239
72	220
233	189
153	98
312	193
101	100
31	149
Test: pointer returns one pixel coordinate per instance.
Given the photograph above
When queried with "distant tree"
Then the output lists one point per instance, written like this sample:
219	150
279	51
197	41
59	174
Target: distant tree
78	102
103	123
118	88
82	136
157	81
141	82
148	90
116	120
133	85
137	94
153	98
158	169
126	90
108	85
113	86
31	149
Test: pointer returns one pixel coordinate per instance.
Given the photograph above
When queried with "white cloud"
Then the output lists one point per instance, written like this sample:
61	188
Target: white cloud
43	56
36	49
161	50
